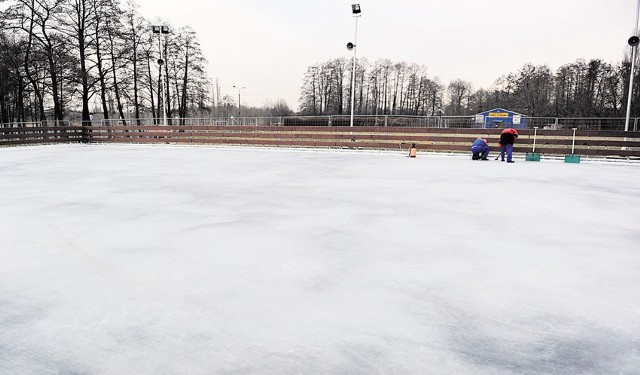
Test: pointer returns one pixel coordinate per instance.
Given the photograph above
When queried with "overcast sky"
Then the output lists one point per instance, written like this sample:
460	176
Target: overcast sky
266	46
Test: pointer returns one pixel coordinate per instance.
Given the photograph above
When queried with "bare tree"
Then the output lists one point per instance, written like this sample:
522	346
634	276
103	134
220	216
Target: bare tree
11	80
458	91
77	21
37	20
134	36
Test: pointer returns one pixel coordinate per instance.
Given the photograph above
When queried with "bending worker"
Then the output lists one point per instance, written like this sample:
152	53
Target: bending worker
507	139
480	149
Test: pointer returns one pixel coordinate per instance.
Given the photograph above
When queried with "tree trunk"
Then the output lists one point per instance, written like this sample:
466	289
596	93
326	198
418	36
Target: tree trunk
29	76
183	112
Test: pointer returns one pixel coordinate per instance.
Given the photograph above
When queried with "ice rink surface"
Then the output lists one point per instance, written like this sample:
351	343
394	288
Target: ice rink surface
179	260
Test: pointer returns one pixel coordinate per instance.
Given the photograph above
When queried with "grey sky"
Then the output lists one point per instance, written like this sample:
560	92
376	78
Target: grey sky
267	46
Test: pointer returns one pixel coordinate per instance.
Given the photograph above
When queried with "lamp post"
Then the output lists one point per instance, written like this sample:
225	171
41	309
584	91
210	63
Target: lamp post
633	42
238	88
355	10
161	30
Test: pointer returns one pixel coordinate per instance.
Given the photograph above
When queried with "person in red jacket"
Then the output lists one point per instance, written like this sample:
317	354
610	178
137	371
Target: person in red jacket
507	139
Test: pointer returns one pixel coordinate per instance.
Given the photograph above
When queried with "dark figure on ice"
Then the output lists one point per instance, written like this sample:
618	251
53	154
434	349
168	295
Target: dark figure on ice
507	139
480	149
413	151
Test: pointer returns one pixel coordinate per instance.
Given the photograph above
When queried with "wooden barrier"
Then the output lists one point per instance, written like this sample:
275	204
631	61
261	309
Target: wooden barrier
614	144
548	142
40	135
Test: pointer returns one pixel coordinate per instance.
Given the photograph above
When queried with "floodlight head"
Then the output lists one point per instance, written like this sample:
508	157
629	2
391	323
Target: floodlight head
355	9
634	41
165	29
156	29
350	46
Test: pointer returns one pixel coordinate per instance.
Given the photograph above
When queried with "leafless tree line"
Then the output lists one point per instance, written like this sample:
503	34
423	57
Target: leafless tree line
383	87
65	58
591	88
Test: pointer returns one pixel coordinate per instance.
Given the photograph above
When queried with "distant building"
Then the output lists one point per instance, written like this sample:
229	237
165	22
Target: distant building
501	118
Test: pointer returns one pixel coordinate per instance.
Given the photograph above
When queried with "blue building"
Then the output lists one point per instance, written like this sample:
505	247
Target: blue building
501	118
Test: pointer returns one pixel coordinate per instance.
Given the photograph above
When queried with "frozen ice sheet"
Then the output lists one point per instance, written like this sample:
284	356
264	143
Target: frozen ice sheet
166	260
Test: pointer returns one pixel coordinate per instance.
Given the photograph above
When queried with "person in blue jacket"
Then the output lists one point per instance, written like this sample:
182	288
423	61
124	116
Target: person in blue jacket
480	149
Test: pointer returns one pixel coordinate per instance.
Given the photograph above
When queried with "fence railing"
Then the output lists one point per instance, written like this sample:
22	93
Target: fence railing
37	124
597	137
459	122
40	132
614	144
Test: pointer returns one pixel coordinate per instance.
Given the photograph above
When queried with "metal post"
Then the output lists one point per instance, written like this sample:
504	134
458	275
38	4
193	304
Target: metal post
161	30
160	62
239	88
353	73
633	63
164	96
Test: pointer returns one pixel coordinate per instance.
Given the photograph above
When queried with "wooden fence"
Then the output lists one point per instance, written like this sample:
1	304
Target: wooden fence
40	135
614	144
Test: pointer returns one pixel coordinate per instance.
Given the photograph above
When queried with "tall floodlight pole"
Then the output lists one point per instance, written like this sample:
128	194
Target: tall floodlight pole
162	30
633	42
355	10
240	88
